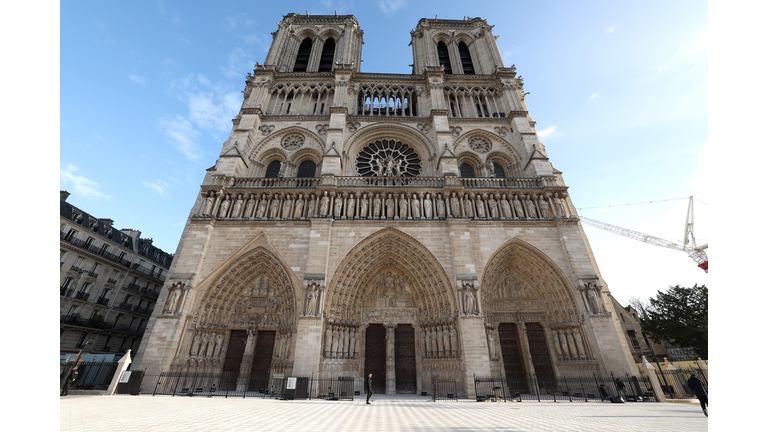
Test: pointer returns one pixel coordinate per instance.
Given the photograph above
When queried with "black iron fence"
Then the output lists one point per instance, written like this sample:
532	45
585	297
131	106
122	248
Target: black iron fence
562	388
234	384
444	389
674	383
91	375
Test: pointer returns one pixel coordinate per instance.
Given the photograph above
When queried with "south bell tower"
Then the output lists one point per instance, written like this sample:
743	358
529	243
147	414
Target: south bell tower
405	225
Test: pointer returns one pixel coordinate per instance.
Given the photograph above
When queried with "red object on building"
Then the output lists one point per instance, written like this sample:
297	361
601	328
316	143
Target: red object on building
705	265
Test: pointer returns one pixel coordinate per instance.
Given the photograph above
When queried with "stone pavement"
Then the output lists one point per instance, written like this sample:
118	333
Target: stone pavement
386	413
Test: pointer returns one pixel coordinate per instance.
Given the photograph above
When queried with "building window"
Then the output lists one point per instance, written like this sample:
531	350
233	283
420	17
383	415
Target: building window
84	289
307	169
467	171
498	171
70	235
121	256
77	264
302	58
66	283
633	339
326	59
443	58
81	342
104	249
72	310
88	242
273	169
466	59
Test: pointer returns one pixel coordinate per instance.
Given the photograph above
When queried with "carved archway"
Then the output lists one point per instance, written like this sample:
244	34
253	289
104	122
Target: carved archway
390	251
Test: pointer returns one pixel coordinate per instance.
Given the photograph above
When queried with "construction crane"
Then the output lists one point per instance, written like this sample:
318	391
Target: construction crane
688	245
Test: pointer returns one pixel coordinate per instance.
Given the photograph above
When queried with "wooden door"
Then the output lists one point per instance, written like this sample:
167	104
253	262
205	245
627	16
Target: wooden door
376	356
405	359
537	342
511	356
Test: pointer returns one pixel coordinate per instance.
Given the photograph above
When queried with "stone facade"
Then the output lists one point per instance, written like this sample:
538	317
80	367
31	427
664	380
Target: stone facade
110	280
343	201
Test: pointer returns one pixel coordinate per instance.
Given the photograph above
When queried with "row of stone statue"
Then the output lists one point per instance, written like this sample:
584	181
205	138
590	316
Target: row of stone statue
364	205
282	346
440	341
206	344
569	344
342	341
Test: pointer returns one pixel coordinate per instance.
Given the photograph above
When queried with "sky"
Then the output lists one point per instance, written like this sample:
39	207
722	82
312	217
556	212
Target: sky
619	97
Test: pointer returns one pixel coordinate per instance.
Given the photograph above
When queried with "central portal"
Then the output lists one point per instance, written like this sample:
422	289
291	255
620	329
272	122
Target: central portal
376	357
405	359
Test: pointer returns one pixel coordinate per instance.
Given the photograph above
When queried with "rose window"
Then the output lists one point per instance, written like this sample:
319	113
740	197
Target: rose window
388	158
293	142
480	144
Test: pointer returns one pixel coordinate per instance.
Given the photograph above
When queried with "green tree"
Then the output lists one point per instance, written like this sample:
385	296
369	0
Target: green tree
679	317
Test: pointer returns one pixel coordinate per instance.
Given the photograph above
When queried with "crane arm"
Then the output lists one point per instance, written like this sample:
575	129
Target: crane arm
632	234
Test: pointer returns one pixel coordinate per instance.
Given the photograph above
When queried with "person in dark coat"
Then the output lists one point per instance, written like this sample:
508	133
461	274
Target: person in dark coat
370	389
697	386
606	395
71	378
621	388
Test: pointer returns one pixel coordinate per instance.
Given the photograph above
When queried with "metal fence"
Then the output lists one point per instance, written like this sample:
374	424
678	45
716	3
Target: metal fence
674	383
91	375
444	389
562	388
233	384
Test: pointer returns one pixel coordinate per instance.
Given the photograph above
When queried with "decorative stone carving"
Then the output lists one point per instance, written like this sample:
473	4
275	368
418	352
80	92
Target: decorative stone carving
480	144
501	130
415	207
298	210
224	207
543	207
261	209
493	207
530	207
469	300
440	205
455	131
338	203
506	210
207	207
322	129
249	206
324	203
292	142
353	126
559	208
455	206
428	207
312	299
480	207
377	207
424	127
266	129
237	207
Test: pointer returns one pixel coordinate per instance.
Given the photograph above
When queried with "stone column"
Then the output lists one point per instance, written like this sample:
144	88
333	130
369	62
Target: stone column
391	387
245	365
650	372
527	359
704	368
123	364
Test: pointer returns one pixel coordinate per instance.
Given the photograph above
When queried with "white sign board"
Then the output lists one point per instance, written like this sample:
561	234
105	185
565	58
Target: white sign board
291	383
124	378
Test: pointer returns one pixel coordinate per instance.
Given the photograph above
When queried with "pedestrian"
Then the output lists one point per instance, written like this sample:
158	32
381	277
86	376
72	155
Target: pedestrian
606	395
621	389
370	389
697	386
71	378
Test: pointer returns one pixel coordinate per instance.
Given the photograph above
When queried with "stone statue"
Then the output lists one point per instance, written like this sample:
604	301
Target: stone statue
350	213
338	203
364	206
390	167
530	207
403	207
563	344
345	343
559	207
480	207
173	297
558	350
493	208
224	207
211	346
425	341
219	343
455	206
324	202
428	207
335	343
571	345
433	342
357	344
454	341
415	207
377	207
440	205
543	207
506	210
195	345
390	204
594	302
492	345
390	343
311	300
274	207
287	204
298	211
249	343
208	205
468	207
518	208
579	344
261	209
238	206
249	207
311	206
379	168
439	339
446	341
470	306
328	339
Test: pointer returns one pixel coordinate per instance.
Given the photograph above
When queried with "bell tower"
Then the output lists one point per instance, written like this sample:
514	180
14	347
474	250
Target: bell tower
318	43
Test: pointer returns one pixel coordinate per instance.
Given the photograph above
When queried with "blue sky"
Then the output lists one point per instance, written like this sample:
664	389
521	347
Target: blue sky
618	90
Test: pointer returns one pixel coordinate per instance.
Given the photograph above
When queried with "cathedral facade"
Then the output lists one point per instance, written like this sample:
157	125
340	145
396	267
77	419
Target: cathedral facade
402	225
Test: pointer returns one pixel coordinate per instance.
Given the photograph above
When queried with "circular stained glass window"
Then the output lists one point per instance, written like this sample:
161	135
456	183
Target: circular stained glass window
388	158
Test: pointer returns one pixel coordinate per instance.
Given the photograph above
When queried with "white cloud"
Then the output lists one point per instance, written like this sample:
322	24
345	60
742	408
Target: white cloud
591	98
159	186
549	132
611	29
233	22
184	135
81	186
685	52
238	64
174	17
389	6
138	79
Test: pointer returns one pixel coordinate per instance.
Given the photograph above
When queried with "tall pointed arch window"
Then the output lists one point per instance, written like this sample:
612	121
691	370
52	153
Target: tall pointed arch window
467	171
273	169
307	169
498	171
326	58
302	58
466	59
443	58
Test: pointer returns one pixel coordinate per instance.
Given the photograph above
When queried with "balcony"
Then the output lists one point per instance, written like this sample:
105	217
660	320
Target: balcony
144	310
149	292
75	268
112	281
82	296
152	274
92	274
83	322
103	301
66	292
133	287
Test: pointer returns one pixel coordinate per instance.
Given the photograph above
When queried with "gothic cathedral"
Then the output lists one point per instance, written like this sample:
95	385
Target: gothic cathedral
403	225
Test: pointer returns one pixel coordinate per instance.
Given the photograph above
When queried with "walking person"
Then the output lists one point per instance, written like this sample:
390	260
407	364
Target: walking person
370	389
621	388
71	378
697	386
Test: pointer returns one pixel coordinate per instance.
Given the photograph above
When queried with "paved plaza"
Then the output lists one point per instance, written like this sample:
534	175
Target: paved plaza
386	413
